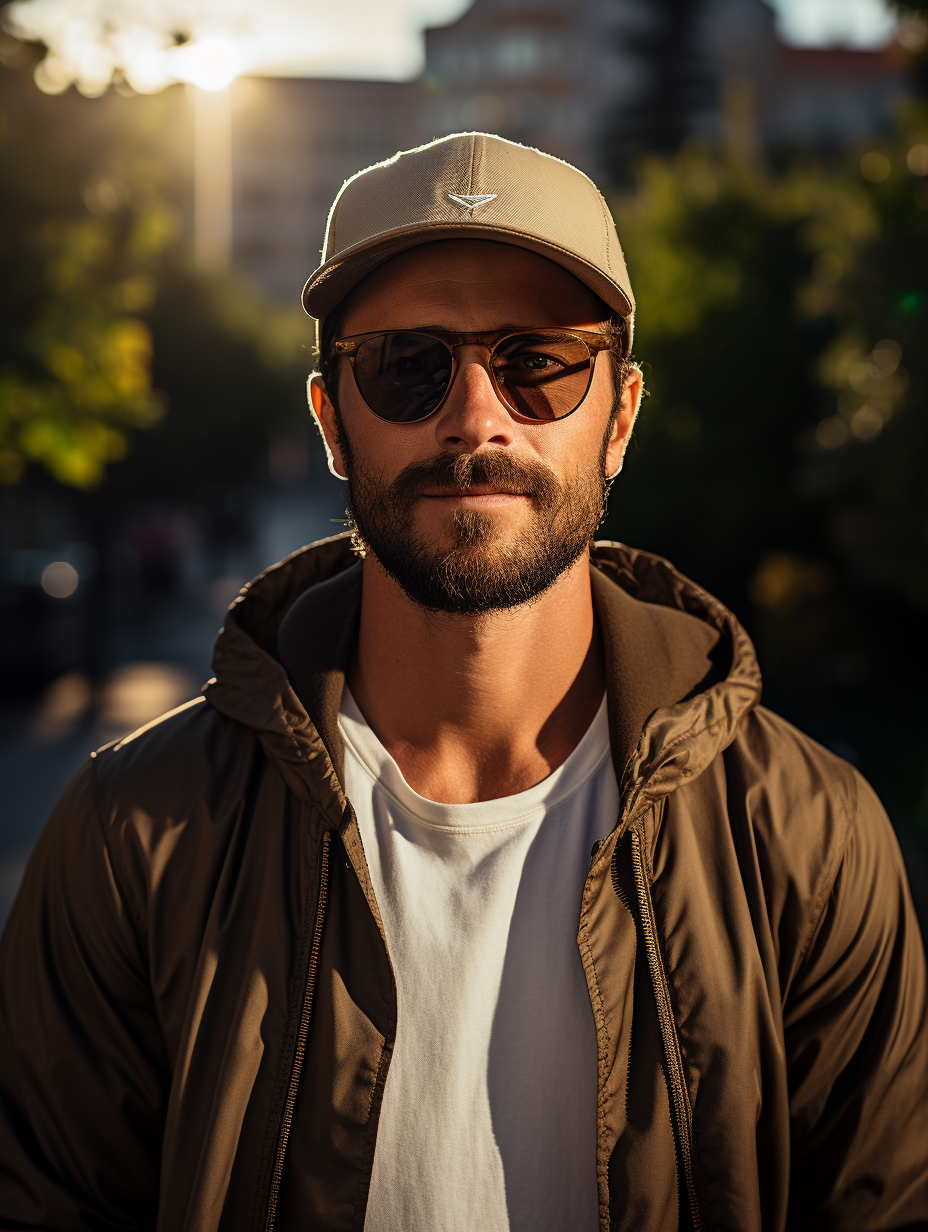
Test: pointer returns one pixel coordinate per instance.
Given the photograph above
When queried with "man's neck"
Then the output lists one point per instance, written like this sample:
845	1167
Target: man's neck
475	708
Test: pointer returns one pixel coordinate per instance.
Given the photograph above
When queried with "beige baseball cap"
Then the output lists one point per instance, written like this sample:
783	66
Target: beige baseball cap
470	184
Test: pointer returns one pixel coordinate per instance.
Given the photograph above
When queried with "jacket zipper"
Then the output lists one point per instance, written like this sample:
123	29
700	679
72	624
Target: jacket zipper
300	1051
678	1093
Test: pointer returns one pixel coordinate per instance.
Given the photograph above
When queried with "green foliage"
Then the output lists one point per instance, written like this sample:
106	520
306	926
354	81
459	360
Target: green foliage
84	374
780	459
235	368
105	330
79	255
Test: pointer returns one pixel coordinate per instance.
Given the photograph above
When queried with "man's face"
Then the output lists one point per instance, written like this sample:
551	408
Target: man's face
470	510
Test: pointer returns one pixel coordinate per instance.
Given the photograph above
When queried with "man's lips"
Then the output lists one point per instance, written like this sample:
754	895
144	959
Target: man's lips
476	496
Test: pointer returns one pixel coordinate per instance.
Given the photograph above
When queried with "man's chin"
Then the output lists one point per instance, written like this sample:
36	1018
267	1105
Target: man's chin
471	562
461	529
475	578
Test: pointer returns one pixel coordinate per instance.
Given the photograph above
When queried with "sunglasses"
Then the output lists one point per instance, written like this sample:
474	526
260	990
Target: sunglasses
538	374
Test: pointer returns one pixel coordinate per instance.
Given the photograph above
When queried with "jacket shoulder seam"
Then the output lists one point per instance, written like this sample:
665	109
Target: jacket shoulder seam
829	877
128	902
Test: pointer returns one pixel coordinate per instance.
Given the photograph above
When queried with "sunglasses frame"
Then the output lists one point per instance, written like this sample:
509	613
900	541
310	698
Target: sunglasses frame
492	340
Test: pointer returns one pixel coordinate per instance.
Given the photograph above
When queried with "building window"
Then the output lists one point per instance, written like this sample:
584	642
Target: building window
522	53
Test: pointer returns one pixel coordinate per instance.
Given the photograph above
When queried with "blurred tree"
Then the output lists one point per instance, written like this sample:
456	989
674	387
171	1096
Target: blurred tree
913	35
80	242
781	459
235	368
137	396
105	329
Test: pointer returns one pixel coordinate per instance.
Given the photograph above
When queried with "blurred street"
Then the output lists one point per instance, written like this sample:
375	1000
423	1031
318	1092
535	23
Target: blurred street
155	665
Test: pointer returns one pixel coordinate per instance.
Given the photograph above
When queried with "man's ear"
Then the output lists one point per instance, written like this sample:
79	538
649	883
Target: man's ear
324	415
624	422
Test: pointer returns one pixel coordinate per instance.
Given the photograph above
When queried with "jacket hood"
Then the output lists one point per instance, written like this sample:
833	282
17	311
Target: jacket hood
681	672
673	629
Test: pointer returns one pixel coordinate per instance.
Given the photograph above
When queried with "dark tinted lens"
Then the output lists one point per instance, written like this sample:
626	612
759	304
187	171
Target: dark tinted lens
402	376
542	375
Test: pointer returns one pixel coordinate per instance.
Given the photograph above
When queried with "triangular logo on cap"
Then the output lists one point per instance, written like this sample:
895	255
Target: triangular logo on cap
470	201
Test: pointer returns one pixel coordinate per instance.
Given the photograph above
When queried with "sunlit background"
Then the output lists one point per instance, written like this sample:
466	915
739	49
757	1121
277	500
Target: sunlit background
166	171
90	41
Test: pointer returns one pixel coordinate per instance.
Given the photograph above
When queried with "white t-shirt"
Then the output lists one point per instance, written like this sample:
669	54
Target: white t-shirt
489	1110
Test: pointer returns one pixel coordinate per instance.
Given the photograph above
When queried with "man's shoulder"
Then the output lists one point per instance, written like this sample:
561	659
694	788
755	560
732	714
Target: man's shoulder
791	778
801	816
171	799
189	763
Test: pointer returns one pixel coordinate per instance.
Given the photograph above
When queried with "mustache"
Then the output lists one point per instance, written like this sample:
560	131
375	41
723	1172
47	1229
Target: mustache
459	472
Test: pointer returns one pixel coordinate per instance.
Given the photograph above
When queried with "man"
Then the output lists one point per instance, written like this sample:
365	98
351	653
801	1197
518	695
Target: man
478	892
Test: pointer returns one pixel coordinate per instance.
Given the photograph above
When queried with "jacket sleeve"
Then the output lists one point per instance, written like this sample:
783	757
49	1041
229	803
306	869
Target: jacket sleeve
856	1033
83	1072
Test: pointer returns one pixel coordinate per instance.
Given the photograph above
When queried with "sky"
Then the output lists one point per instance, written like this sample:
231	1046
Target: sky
382	38
854	23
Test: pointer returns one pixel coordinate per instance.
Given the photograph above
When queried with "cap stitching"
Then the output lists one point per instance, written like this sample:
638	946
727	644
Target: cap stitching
606	220
473	152
332	226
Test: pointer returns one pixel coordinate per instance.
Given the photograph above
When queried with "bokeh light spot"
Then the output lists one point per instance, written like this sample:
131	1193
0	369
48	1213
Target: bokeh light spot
917	159
831	433
59	579
884	359
874	166
867	423
909	303
210	63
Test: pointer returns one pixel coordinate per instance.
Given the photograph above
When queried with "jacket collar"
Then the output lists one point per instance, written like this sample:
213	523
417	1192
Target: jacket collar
252	686
680	670
681	673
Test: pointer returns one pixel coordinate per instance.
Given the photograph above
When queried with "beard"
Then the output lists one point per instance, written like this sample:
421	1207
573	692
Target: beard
483	570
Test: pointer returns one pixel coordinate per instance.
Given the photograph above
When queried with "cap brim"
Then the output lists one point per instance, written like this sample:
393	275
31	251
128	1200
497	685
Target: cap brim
331	282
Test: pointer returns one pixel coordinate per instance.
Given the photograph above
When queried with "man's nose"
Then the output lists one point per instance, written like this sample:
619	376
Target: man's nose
473	414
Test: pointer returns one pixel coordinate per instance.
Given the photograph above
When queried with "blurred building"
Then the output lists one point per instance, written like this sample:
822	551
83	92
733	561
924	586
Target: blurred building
805	97
543	72
832	98
535	71
295	141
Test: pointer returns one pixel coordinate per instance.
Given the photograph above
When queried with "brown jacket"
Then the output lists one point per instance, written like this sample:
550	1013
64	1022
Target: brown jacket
197	1008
